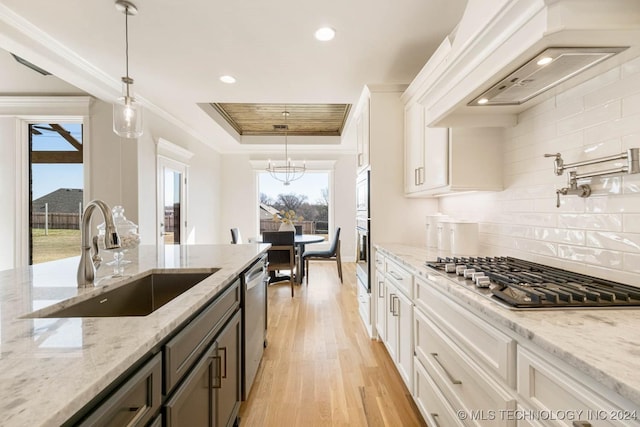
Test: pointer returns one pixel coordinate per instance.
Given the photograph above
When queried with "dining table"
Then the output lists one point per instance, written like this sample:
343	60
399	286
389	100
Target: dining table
300	240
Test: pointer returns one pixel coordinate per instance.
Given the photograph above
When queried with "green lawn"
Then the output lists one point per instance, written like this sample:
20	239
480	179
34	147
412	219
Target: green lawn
57	244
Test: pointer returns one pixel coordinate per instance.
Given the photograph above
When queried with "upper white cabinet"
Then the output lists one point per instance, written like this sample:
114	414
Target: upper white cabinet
413	148
447	160
495	39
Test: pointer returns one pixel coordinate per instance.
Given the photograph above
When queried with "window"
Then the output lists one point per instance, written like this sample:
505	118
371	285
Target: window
309	197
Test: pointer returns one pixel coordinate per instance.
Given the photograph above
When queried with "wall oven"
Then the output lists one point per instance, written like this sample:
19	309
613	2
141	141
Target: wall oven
363	223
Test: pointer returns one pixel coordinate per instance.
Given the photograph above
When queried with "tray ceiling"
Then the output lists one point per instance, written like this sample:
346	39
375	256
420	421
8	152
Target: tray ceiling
268	119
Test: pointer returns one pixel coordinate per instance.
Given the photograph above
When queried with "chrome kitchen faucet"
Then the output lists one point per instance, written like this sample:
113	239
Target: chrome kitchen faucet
88	263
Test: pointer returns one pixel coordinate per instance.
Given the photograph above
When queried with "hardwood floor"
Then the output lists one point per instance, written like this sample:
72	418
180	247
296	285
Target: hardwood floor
320	368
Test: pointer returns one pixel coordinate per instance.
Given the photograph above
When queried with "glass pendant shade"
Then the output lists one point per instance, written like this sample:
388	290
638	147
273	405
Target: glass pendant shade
127	114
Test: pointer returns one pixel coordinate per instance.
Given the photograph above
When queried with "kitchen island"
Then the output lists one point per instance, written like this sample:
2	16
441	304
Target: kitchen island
536	362
50	368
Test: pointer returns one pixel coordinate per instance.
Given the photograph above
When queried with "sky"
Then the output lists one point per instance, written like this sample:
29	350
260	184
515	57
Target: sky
311	185
49	177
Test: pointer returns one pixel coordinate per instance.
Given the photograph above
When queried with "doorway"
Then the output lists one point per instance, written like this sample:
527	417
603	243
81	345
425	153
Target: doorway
172	207
55	190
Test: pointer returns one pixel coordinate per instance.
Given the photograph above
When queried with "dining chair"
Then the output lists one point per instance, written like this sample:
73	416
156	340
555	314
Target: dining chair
282	254
236	238
331	254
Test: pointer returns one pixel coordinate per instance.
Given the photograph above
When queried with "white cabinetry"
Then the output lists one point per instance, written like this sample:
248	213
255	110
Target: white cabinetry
471	364
443	160
398	314
413	147
551	388
379	291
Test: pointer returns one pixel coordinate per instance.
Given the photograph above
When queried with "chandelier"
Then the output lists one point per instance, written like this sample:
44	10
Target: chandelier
289	171
127	112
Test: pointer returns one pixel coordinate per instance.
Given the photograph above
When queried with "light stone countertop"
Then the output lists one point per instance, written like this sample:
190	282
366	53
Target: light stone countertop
50	368
602	343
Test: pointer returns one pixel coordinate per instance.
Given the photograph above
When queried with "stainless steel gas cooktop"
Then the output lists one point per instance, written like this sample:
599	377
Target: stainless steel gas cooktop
522	284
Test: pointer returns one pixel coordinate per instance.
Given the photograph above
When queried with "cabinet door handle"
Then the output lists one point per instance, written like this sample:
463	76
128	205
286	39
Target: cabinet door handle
451	378
380	289
421	175
224	365
360	157
396	311
434	416
214	372
395	275
581	424
416	178
391	296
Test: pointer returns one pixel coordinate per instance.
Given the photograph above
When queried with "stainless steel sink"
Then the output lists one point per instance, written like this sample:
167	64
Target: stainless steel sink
139	297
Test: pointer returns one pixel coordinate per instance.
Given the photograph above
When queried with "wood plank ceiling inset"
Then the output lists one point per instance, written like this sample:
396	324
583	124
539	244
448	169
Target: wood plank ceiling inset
303	119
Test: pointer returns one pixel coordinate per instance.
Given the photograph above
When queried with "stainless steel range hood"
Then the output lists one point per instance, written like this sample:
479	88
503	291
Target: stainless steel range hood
495	51
542	72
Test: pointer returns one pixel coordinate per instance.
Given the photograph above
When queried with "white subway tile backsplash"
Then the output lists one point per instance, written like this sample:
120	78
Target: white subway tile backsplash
613	91
585	221
631	223
598	257
598	235
631	67
559	235
625	242
592	117
631	105
613	129
631	264
577	93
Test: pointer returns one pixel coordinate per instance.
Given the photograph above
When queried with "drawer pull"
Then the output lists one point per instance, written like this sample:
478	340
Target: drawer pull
453	380
581	424
214	372
395	275
435	419
224	371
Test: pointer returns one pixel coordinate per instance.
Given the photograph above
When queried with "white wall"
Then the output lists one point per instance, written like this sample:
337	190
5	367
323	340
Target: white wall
599	235
8	173
123	172
240	197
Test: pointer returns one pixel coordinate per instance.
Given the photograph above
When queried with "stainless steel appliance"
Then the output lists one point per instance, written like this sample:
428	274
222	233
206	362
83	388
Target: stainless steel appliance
254	321
363	223
520	284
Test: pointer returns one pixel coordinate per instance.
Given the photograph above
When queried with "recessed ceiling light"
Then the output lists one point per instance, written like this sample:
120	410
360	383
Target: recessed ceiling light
325	34
227	79
545	60
483	101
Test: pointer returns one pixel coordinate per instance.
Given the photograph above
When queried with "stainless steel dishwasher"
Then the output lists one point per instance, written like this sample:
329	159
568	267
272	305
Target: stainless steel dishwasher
254	321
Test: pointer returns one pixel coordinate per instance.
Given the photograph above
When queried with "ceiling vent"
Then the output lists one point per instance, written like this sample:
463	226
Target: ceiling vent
542	72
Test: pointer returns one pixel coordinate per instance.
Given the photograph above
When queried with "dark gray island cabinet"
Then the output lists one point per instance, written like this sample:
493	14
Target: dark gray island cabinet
191	379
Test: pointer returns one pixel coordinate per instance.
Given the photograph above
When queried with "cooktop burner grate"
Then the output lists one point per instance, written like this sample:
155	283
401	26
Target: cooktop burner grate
524	284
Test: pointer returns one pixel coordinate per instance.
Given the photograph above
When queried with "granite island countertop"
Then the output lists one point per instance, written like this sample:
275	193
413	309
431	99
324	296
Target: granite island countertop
602	343
51	367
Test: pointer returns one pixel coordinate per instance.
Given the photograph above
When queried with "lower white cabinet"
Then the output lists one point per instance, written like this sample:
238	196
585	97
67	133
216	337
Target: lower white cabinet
379	292
552	389
394	315
432	404
364	307
468	388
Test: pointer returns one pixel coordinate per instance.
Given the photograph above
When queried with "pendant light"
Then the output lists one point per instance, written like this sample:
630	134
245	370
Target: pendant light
288	171
127	112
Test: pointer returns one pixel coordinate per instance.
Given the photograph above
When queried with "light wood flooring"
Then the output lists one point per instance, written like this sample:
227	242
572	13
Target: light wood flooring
320	368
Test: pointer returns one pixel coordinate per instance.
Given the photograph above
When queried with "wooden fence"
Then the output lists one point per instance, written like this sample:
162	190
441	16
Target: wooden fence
65	221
